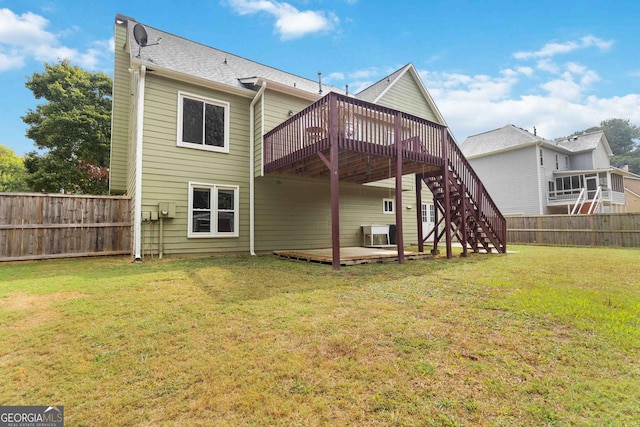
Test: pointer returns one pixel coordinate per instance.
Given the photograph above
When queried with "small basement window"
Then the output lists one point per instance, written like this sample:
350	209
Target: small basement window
388	206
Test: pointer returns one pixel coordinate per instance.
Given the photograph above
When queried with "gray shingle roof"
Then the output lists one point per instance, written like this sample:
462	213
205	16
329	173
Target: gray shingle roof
585	142
511	137
507	137
194	59
371	93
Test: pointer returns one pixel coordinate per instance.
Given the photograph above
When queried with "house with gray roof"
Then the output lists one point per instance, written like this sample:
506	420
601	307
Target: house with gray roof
530	175
221	154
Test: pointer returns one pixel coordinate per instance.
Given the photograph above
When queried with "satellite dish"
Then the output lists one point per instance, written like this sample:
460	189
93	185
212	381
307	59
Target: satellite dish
140	34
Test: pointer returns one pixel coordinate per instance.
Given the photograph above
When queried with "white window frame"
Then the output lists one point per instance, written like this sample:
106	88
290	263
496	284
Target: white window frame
386	203
217	102
213	233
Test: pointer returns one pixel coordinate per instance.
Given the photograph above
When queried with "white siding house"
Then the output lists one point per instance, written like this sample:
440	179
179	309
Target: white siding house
529	175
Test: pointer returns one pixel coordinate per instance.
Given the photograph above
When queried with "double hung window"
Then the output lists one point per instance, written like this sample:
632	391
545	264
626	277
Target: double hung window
213	210
203	123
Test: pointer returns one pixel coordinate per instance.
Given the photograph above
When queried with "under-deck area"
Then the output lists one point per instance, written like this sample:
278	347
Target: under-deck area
350	255
343	139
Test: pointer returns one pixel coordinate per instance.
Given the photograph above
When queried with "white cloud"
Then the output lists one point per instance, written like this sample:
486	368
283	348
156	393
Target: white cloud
548	65
475	104
563	88
10	60
335	76
553	49
25	36
481	88
527	71
290	23
365	73
361	78
557	98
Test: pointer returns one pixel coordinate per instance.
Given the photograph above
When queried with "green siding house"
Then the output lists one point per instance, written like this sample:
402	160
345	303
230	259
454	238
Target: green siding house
198	142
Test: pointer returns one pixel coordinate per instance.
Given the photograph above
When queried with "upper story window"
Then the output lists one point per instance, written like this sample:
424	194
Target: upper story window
203	123
541	157
566	162
557	164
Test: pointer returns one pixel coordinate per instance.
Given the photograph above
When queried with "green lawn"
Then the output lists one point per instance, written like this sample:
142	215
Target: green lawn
542	336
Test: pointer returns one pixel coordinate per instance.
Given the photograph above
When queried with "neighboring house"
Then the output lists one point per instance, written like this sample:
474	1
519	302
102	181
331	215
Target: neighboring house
529	175
223	154
632	192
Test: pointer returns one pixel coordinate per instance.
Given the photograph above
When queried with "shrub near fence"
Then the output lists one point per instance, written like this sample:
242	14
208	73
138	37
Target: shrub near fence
38	226
615	230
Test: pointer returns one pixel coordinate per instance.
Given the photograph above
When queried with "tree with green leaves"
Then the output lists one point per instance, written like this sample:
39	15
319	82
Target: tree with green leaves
72	129
622	135
13	174
623	139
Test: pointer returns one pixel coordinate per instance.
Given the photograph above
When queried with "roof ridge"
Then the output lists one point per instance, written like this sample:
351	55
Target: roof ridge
229	54
388	79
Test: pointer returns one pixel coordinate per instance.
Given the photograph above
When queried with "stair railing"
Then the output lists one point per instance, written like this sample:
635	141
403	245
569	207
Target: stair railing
582	197
596	201
486	210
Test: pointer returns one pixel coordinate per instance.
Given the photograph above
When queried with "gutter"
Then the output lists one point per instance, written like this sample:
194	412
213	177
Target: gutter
199	81
542	199
137	203
252	148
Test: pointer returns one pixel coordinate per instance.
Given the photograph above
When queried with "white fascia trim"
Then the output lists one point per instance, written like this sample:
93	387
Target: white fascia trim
384	92
252	149
137	204
289	90
504	150
198	81
631	191
425	92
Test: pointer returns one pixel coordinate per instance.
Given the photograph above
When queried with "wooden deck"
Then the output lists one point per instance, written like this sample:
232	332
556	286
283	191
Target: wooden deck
350	256
344	139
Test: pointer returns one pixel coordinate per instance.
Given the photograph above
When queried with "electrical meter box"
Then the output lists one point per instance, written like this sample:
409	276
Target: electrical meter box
167	209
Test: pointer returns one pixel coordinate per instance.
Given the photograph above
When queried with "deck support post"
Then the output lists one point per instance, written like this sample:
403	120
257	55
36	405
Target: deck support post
419	178
399	232
446	185
335	181
463	197
436	234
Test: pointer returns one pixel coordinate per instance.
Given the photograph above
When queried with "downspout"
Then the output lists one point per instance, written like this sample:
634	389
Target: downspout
252	149
541	196
137	203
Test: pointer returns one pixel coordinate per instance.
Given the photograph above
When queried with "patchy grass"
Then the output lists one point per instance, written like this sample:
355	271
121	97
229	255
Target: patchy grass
543	336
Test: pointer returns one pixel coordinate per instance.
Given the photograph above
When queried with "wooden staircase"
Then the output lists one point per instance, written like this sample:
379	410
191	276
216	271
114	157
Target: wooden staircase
585	208
316	143
458	194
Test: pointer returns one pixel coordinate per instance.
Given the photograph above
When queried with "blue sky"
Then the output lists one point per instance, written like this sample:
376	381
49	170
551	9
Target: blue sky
560	66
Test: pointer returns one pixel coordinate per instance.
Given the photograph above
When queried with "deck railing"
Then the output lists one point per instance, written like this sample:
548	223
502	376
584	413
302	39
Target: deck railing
360	126
571	196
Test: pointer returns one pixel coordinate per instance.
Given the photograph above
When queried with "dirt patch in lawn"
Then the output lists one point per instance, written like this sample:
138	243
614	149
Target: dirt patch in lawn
35	309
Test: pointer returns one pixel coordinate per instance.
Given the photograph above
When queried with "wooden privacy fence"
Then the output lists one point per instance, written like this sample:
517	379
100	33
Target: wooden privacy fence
39	226
617	230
